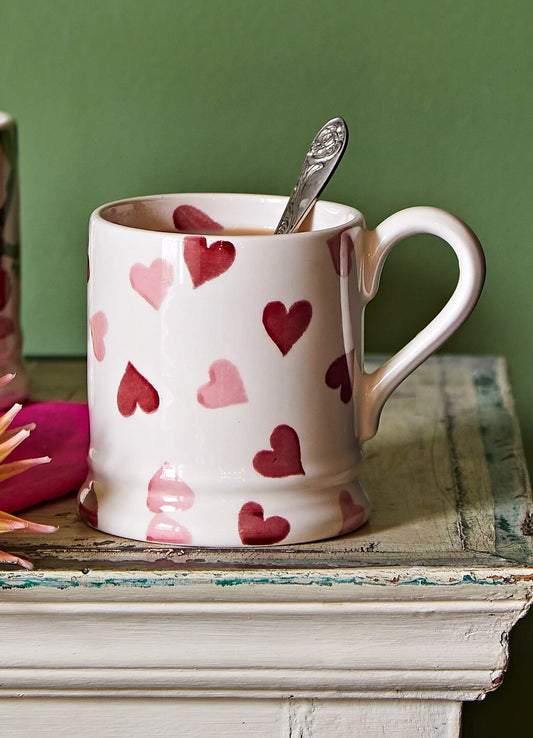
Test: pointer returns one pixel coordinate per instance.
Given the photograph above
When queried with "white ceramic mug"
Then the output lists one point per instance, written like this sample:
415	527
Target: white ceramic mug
227	396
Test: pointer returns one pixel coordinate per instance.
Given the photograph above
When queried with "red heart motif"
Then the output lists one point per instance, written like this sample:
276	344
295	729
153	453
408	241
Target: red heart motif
225	386
254	530
152	282
205	263
98	327
133	390
189	219
341	254
167	492
339	375
353	514
163	529
285	458
284	326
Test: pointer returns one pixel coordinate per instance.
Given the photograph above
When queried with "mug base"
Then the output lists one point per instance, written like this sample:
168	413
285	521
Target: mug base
305	516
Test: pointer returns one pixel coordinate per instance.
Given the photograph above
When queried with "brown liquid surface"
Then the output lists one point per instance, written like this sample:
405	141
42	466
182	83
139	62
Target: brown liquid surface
234	232
247	232
240	232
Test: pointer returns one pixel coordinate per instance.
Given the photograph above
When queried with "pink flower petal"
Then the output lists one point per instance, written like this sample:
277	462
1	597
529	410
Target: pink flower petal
6	379
17	467
9	559
62	433
10	522
8	416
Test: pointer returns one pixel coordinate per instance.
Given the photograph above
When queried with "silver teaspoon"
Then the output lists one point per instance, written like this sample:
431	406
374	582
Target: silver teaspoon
321	160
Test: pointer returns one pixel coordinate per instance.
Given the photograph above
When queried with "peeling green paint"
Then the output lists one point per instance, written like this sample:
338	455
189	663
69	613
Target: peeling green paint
55	583
17	583
503	524
357	581
498	434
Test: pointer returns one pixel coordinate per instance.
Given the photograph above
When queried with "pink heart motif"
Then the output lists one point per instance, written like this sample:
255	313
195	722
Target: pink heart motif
135	390
285	327
167	492
98	327
339	375
225	386
353	515
152	282
207	262
163	529
285	458
254	530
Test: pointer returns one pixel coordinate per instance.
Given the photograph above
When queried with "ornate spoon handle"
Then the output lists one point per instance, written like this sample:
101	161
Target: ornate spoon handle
321	160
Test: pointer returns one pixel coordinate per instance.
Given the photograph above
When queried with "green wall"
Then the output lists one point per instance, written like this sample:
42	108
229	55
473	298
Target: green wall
118	98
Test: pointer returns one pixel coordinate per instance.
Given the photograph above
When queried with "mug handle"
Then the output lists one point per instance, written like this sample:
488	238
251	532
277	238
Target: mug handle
375	388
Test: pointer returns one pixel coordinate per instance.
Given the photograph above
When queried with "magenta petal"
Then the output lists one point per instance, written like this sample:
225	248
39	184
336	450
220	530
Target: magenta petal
62	432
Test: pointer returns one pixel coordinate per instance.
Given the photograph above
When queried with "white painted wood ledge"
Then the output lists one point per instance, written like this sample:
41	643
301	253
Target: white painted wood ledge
385	631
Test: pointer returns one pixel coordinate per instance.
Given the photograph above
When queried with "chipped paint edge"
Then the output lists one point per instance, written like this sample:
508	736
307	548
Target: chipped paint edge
375	578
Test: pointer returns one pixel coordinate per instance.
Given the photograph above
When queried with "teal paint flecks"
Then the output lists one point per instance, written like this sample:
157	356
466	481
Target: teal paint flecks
499	436
28	582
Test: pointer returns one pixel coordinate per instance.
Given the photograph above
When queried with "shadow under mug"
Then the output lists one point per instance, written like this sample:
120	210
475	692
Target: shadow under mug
227	396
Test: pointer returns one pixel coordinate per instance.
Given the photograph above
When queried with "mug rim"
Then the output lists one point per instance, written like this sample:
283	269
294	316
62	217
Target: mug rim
357	217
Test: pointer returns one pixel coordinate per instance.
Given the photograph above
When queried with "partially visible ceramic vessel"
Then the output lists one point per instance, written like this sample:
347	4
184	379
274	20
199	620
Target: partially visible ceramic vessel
227	393
10	332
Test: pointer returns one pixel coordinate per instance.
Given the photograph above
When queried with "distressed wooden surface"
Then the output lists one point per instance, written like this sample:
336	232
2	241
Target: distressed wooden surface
445	475
230	718
385	631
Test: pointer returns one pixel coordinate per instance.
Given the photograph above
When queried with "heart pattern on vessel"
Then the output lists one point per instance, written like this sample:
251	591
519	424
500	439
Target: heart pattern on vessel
341	254
353	514
339	375
168	492
163	529
284	460
207	262
225	386
98	328
135	390
285	327
255	530
189	219
153	282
